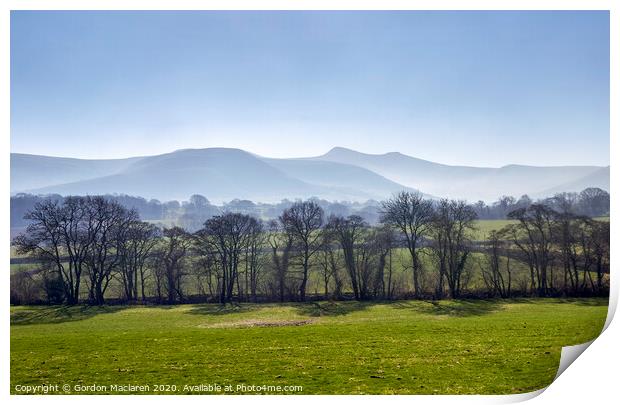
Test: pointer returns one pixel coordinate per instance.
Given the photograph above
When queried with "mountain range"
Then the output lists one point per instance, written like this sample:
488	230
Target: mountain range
223	174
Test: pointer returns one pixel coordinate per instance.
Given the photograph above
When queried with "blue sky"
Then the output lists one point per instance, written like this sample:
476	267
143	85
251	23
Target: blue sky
475	88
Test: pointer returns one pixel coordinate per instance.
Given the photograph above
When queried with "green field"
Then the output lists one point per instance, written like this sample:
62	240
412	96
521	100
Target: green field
407	347
484	227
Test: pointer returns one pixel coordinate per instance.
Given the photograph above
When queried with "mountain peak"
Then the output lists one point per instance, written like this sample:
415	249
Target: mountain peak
225	173
212	149
338	150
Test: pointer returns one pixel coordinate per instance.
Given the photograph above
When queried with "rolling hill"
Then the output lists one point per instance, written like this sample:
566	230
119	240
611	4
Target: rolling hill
471	183
343	177
35	171
599	178
223	174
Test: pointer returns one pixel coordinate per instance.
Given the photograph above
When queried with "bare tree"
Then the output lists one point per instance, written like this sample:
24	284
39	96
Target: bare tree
411	215
303	222
601	251
349	232
135	245
498	282
533	237
384	240
207	269
451	229
170	256
280	240
45	240
254	258
326	270
566	235
331	262
111	220
594	201
228	236
60	235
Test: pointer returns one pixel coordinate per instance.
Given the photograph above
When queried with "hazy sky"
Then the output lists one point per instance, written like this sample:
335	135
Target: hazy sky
476	88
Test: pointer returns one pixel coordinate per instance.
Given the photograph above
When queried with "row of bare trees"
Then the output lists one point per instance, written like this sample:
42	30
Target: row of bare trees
234	256
547	240
90	240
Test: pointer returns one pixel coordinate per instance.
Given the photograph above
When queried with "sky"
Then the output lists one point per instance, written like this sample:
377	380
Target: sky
472	88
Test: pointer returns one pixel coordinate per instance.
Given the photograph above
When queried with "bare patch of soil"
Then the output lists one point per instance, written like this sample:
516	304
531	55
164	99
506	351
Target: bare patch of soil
256	323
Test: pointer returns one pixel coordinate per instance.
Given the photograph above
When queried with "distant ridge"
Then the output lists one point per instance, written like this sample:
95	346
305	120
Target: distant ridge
466	182
35	171
341	174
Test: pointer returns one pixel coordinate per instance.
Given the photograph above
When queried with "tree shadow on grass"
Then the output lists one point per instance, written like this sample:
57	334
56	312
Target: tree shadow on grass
331	308
588	302
221	309
460	308
584	301
59	314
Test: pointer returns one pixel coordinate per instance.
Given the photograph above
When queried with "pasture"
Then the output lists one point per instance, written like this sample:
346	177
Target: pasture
403	347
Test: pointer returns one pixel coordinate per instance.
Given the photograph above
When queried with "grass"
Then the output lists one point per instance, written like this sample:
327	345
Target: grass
408	347
483	227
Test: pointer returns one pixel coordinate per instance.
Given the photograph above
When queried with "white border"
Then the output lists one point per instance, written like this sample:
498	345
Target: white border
592	378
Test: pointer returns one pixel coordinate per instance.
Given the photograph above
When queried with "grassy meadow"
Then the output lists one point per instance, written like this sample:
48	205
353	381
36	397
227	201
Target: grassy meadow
406	347
483	227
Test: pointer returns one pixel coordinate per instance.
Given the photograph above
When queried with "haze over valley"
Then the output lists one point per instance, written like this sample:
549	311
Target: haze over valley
223	174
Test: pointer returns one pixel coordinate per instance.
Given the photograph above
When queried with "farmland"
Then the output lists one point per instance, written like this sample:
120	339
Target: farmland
404	347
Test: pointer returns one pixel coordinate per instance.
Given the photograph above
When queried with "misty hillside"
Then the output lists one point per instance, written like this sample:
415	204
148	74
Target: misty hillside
220	174
471	183
223	174
599	178
34	171
343	177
